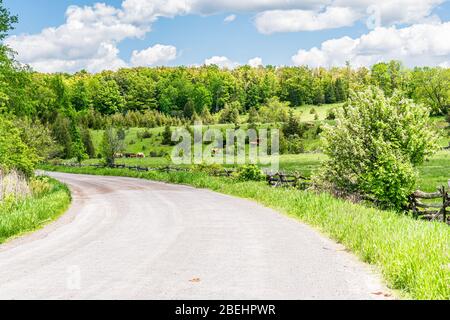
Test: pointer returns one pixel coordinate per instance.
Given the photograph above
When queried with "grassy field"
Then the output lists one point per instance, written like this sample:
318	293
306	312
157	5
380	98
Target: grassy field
34	212
305	114
412	255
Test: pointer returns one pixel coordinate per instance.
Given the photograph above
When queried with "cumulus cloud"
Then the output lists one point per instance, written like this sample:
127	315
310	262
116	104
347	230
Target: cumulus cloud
343	13
90	36
221	62
230	18
157	55
255	62
417	45
302	20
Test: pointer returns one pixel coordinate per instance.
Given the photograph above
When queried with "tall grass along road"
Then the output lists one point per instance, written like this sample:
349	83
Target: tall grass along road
131	238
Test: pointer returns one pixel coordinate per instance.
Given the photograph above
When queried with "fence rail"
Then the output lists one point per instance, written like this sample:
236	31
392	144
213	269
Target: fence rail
288	180
431	211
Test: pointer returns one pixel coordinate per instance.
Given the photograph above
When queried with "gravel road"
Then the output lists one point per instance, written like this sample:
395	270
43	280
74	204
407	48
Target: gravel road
126	238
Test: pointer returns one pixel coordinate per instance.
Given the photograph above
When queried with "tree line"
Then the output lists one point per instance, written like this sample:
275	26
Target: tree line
184	92
63	107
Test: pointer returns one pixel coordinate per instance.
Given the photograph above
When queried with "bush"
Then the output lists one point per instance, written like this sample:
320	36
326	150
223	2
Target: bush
211	169
40	186
146	134
14	153
375	145
250	172
274	111
295	145
230	114
331	114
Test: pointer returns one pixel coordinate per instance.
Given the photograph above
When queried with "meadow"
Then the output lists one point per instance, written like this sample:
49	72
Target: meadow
431	174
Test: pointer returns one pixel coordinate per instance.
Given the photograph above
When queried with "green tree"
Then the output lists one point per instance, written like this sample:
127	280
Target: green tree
330	94
62	135
167	136
79	98
230	114
432	88
253	118
86	137
14	153
37	137
105	96
111	145
7	21
189	109
292	126
375	145
77	149
274	111
341	94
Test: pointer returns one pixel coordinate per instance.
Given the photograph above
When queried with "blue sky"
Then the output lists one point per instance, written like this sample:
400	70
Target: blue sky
278	34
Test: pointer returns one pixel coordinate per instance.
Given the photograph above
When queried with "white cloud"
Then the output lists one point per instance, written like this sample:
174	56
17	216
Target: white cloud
392	12
255	62
303	20
342	13
157	55
230	18
417	45
90	35
221	62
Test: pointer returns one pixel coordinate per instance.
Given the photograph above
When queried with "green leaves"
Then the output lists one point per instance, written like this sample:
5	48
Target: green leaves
375	145
14	153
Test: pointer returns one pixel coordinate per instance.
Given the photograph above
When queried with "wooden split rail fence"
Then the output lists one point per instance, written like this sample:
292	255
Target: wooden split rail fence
288	180
436	211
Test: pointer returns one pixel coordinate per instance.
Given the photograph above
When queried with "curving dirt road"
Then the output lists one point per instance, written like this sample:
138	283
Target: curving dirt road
126	238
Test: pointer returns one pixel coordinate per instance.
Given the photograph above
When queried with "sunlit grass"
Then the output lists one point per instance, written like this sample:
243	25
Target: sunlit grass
33	212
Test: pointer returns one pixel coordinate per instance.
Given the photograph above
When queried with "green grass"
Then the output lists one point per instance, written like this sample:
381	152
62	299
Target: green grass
433	173
412	255
32	213
305	111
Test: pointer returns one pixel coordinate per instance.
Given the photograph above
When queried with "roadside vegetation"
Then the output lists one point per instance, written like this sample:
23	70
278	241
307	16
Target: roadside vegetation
26	205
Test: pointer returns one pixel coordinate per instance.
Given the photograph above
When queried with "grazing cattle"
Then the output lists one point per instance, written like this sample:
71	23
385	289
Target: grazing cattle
130	155
140	155
118	155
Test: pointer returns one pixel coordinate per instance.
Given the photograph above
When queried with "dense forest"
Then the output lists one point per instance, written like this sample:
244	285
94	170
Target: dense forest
63	107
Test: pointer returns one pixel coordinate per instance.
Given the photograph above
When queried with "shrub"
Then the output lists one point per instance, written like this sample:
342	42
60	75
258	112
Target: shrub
230	114
295	145
250	172
146	134
274	111
14	153
167	136
331	114
40	186
375	145
211	169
